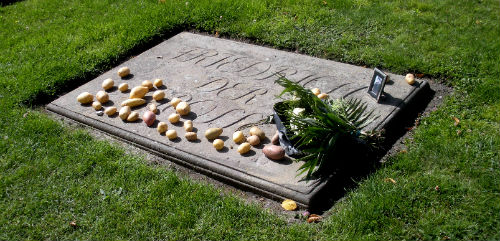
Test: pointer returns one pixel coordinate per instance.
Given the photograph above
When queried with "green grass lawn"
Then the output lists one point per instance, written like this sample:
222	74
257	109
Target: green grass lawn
51	174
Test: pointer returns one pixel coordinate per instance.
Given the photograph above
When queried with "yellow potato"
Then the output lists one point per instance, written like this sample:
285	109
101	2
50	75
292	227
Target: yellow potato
123	87
175	101
152	107
85	98
316	91
191	136
218	144
158	95
323	96
188	125
174	118
123	72
244	148
138	92
257	132
253	140
171	134
148	84
96	105
158	83
124	112
289	205
162	127
213	133
410	79
133	116
183	108
133	102
102	96
238	137
108	84
110	111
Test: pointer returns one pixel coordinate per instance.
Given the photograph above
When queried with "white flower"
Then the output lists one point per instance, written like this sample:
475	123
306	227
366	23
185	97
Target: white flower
298	111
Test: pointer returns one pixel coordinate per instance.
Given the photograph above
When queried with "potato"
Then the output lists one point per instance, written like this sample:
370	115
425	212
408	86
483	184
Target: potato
175	101
123	72
410	79
276	138
162	127
274	152
323	96
85	98
238	137
183	108
253	140
123	87
148	84
244	148
138	92
149	118
218	144
133	116
158	95
174	118
158	83
191	136
290	205
124	112
213	133
96	105
107	84
188	125
256	131
133	102
110	111
316	91
102	96
171	134
152	107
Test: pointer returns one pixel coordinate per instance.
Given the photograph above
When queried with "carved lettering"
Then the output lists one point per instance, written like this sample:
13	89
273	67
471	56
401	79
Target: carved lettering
213	84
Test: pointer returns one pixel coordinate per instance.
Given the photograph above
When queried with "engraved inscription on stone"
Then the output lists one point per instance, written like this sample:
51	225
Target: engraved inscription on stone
235	89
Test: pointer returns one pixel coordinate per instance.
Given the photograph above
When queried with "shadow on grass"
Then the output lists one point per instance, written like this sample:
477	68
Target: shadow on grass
4	3
357	161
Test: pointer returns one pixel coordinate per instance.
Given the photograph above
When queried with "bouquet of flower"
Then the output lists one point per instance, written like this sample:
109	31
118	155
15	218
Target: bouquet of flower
315	126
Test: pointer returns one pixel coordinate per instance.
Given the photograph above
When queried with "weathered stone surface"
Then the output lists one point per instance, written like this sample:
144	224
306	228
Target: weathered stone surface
228	84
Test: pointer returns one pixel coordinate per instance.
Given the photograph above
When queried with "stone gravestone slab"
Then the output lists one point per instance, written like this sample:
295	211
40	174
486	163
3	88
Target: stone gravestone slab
229	84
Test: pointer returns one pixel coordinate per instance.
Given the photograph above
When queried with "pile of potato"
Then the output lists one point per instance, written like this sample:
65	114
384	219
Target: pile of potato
137	98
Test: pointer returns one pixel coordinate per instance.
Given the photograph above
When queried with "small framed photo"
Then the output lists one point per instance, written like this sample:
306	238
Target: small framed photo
377	84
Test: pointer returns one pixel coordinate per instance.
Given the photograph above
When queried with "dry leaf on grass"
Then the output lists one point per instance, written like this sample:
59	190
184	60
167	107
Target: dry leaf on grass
390	180
313	218
289	205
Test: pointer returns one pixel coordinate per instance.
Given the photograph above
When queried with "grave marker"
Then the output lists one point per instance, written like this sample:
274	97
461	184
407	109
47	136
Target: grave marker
229	84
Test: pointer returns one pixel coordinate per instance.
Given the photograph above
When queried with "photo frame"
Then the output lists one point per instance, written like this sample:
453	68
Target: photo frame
377	84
